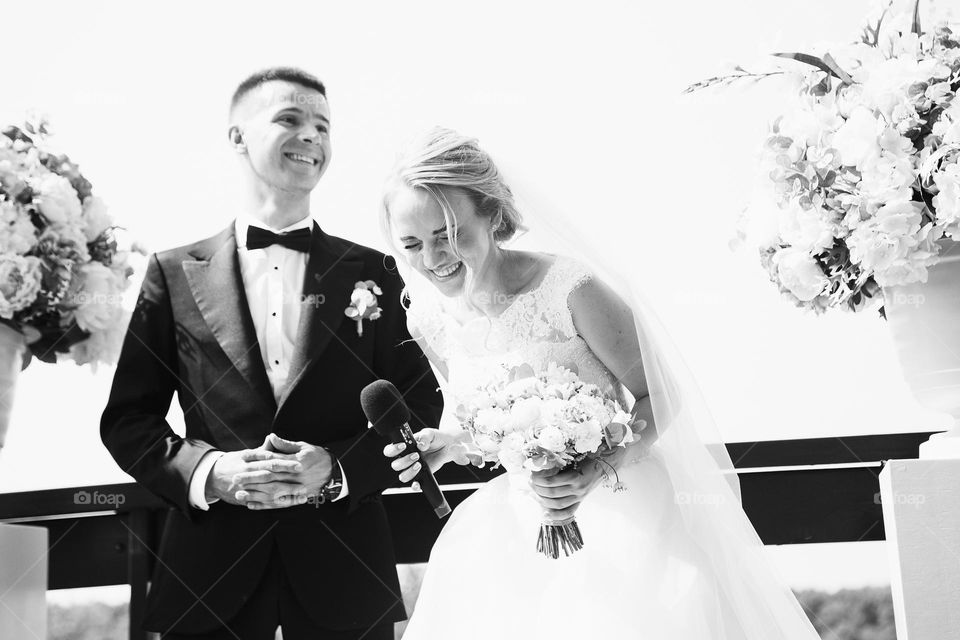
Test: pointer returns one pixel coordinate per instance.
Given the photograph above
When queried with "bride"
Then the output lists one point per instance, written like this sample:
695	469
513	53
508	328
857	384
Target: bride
673	556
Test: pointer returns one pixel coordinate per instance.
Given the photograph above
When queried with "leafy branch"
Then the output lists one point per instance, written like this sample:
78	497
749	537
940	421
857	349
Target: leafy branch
740	75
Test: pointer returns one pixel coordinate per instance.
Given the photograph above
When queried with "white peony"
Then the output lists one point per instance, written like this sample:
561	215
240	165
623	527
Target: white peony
20	280
17	233
511	453
102	346
492	420
58	200
98	298
588	436
96	220
893	245
800	273
521	387
525	413
805	228
947	201
856	140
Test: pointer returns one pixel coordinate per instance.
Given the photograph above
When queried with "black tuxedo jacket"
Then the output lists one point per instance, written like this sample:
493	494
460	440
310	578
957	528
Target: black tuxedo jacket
191	333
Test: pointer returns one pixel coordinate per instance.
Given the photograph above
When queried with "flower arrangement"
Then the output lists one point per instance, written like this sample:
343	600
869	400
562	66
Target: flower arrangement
865	167
537	421
62	269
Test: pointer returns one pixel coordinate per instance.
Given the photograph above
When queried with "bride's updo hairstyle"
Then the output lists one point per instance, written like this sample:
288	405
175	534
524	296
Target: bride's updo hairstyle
443	158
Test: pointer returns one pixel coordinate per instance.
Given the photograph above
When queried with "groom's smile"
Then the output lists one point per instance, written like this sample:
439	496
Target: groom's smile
285	132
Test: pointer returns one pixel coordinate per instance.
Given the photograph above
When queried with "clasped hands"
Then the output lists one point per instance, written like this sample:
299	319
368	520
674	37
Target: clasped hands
277	474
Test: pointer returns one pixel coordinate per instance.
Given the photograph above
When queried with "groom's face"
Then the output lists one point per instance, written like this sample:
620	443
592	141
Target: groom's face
285	129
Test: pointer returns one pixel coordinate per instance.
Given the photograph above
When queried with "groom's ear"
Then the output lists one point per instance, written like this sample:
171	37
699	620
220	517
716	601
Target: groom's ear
236	138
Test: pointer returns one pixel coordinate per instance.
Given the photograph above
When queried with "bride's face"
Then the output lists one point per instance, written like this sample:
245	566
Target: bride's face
420	231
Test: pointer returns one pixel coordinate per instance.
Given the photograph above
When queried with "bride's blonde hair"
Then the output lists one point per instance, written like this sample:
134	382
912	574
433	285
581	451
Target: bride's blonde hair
443	158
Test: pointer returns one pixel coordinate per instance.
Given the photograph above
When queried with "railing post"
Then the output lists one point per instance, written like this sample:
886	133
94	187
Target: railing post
138	569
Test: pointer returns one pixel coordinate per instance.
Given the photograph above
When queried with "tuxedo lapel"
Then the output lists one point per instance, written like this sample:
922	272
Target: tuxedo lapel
327	285
217	286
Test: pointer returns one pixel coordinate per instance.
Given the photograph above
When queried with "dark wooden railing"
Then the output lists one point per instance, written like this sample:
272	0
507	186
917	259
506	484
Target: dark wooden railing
108	534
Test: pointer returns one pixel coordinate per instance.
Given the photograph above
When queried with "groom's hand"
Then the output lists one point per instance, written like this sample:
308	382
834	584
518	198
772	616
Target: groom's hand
269	488
223	481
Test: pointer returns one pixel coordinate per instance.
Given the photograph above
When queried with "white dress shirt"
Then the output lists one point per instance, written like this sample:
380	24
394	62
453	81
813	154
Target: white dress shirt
273	281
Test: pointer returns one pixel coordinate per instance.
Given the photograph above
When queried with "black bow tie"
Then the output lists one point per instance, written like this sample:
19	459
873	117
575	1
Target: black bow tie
298	240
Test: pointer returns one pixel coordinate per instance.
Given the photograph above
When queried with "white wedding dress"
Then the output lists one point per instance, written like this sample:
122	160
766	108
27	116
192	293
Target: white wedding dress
640	574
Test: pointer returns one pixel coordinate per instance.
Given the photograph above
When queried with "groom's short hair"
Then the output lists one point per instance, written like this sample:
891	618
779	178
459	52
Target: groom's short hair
273	74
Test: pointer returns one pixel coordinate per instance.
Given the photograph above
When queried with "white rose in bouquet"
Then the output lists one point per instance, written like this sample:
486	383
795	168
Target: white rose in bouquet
552	439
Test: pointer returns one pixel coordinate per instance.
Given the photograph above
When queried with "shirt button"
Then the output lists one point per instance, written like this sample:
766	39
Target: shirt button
275	268
274	314
276	362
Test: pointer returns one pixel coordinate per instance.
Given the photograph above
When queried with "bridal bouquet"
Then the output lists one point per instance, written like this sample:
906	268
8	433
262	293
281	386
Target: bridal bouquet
62	270
536	421
865	166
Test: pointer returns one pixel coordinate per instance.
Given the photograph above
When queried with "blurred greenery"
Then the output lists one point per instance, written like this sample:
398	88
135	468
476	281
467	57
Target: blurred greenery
850	614
92	621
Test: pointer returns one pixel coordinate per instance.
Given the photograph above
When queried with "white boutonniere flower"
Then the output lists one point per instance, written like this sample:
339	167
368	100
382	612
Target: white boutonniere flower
363	303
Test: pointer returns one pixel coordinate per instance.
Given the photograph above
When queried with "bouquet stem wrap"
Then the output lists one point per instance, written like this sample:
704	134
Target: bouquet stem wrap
560	535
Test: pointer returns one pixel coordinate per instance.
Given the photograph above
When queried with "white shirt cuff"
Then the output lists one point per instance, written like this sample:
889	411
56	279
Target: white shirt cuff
344	491
198	482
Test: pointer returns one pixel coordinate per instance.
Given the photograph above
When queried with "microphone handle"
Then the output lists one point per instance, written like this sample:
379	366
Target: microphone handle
428	484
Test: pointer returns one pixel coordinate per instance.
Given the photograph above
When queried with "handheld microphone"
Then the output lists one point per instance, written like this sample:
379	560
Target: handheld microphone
389	415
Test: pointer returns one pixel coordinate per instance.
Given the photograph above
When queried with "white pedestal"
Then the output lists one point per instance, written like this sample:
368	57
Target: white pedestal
23	582
921	515
941	446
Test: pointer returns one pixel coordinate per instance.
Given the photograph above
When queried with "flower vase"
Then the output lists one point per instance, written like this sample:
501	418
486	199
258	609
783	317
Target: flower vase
13	349
925	321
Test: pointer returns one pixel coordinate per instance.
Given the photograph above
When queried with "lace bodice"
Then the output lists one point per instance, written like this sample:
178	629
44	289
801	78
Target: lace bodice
536	328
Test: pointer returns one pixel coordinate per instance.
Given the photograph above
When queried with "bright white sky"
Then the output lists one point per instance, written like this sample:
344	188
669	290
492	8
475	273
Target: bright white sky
581	98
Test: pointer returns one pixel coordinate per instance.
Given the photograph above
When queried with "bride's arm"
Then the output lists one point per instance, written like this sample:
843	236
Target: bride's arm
607	325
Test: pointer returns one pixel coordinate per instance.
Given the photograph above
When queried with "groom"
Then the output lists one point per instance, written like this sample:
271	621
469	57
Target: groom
276	517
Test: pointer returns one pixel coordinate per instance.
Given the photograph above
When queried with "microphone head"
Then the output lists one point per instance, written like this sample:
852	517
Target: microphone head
384	406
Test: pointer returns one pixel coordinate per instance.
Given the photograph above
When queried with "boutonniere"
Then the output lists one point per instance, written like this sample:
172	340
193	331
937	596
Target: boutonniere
363	303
